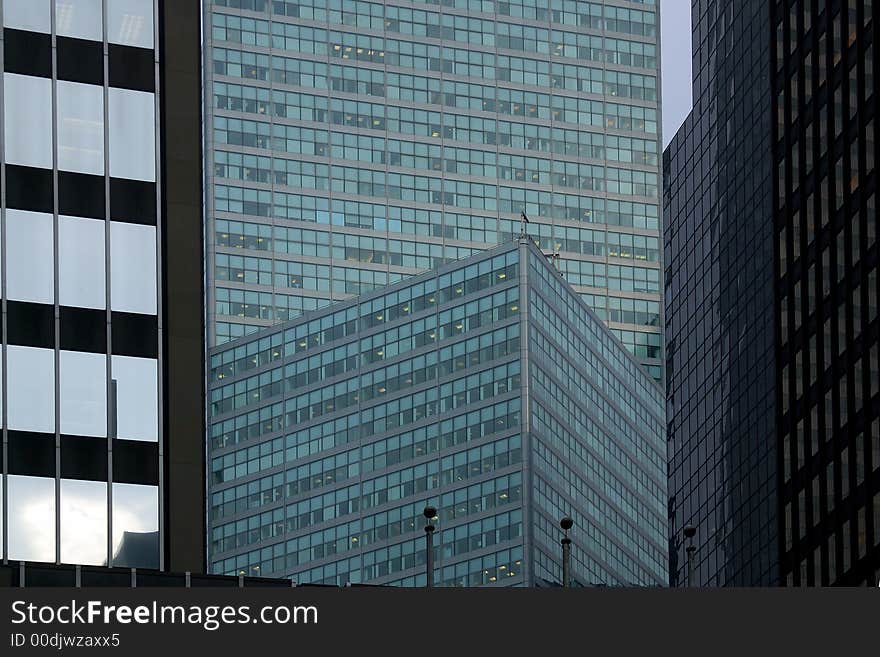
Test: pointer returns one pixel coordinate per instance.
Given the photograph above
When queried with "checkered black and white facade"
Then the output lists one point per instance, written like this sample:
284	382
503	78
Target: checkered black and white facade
81	282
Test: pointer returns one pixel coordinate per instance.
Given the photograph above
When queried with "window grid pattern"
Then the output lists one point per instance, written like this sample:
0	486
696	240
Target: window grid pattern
330	434
81	269
719	308
471	116
826	263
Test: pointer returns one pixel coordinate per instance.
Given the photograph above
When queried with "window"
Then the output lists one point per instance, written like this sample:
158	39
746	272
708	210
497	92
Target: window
135	510
83	522
29	260
130	22
132	134
132	268
137	398
81	127
30	403
33	15
83	390
31	518
81	19
81	274
27	122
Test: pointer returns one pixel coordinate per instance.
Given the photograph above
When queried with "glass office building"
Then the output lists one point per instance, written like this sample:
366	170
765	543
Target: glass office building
826	263
101	391
486	388
350	144
720	390
772	303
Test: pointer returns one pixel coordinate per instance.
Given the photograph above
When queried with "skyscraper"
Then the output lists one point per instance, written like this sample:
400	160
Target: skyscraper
351	144
102	363
719	301
771	299
824	104
485	388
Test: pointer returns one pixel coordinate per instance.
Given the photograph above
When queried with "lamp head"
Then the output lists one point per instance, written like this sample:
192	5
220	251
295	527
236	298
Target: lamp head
430	512
690	532
566	523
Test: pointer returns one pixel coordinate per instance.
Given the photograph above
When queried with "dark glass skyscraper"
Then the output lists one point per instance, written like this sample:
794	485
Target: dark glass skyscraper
771	303
824	104
102	349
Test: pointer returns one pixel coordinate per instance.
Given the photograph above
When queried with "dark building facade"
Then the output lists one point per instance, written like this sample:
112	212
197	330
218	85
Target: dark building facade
824	103
763	192
102	350
719	305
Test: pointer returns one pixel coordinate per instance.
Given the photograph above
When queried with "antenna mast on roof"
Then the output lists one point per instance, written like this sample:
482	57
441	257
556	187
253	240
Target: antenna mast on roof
523	221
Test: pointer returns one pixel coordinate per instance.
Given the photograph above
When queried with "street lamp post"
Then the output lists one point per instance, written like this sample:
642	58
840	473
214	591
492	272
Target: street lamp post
566	523
430	513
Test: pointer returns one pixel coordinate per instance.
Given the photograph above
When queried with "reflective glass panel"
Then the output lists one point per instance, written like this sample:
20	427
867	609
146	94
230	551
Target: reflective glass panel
31	513
30	403
83	393
84	522
132	134
80	127
81	19
135	526
29	263
81	274
27	120
33	15
130	22
137	398
132	268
